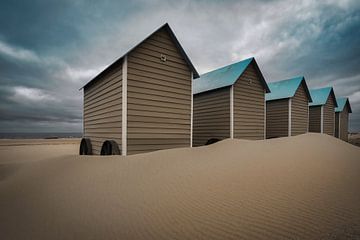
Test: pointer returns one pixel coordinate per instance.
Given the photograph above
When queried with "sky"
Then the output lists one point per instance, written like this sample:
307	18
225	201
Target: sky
51	48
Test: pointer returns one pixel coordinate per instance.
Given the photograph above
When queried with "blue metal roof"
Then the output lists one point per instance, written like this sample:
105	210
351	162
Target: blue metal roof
320	96
223	77
285	89
341	104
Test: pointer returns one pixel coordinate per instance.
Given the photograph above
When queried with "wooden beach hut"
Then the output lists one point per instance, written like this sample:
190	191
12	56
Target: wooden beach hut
287	111
229	102
322	111
142	102
342	118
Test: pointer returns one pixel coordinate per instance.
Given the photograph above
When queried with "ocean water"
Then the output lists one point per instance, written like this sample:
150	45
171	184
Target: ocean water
41	135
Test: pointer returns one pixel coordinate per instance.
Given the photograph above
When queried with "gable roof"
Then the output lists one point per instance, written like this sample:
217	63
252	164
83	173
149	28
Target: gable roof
167	28
286	89
320	96
341	104
225	76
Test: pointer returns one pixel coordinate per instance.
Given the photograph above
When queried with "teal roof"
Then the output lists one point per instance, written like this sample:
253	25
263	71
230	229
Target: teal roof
320	96
285	89
223	77
341	104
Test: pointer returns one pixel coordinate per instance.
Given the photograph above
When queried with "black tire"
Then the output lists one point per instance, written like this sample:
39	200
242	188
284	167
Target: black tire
211	141
85	147
110	147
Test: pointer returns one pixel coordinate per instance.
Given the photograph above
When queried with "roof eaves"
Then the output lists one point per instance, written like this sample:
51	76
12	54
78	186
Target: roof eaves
119	60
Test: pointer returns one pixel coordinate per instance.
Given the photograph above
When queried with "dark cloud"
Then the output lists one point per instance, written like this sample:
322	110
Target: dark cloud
49	49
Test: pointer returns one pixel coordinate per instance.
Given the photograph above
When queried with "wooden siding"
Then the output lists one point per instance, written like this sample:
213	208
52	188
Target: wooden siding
277	118
337	115
211	116
329	116
299	112
159	96
344	121
102	110
315	119
249	112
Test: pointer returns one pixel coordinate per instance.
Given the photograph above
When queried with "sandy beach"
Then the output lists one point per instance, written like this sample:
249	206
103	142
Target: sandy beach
303	187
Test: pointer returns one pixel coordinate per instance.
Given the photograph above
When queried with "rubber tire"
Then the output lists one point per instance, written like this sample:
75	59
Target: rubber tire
85	147
211	141
110	147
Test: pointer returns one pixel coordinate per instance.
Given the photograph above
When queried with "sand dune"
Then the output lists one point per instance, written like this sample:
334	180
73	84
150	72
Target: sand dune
304	187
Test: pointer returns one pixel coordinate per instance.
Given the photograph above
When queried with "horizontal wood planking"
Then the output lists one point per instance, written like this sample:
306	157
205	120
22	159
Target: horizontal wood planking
299	111
277	118
102	110
211	116
344	122
315	119
159	96
329	116
249	103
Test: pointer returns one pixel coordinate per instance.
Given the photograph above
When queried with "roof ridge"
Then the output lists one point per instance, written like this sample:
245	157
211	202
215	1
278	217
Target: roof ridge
231	64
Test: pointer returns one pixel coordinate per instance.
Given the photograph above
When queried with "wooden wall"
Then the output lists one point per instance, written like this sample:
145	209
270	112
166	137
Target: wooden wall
329	116
344	124
159	96
211	116
102	109
249	109
277	118
315	119
299	112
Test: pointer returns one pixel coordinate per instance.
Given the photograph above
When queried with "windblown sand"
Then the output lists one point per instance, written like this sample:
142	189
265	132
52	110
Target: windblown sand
304	187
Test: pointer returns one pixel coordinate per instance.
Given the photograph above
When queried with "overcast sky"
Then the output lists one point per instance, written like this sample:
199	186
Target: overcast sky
49	49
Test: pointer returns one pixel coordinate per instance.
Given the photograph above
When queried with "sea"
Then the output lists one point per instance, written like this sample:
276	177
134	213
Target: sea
40	135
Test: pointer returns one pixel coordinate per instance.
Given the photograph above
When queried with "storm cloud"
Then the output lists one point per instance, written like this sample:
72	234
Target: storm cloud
50	49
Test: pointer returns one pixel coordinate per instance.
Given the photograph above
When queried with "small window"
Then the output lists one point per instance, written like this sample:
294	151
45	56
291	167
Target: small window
163	57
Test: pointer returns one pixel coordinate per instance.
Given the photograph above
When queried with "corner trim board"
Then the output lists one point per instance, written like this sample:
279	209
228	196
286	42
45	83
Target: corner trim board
232	111
124	108
192	111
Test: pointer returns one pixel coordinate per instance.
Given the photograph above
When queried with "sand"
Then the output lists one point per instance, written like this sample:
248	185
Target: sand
304	187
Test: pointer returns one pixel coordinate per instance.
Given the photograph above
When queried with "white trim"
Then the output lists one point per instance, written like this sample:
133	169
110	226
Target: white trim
289	121
83	114
192	112
264	114
232	111
124	108
322	119
339	125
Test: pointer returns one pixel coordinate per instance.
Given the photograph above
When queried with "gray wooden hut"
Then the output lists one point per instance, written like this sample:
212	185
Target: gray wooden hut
287	110
142	102
322	111
230	103
342	118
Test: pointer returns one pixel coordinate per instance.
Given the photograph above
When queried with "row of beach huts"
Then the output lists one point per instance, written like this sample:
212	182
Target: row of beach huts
152	98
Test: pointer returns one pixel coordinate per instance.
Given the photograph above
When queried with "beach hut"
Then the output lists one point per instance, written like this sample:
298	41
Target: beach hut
142	102
229	103
287	111
342	118
322	111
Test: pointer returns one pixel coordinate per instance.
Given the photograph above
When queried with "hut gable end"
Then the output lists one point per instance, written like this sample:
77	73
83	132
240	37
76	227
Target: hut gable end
329	115
249	100
158	96
299	111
